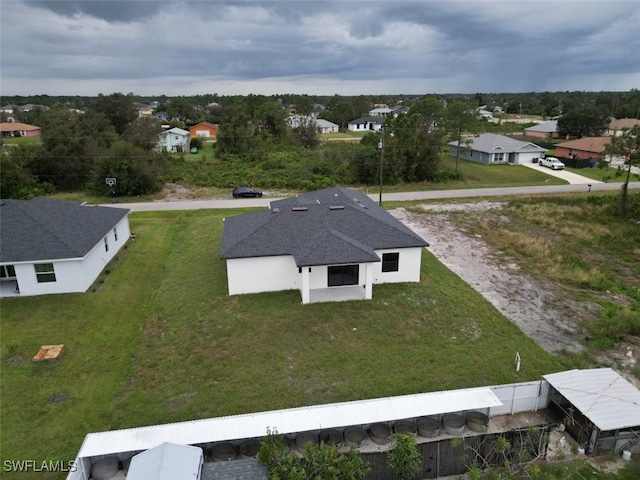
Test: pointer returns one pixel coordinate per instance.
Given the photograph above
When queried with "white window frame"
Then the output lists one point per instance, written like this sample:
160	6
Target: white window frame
45	272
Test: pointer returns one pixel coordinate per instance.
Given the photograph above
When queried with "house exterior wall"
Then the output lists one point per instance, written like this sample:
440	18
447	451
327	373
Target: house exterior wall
173	141
408	266
471	155
359	127
73	275
203	131
262	274
488	158
273	274
564	152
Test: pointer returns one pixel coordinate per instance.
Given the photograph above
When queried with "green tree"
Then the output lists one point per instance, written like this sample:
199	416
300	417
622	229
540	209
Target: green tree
119	109
583	121
307	132
271	120
413	142
404	460
626	146
16	181
318	462
136	170
144	132
236	133
460	116
182	109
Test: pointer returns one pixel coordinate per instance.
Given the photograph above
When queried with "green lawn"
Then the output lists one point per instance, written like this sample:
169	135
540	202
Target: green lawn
160	341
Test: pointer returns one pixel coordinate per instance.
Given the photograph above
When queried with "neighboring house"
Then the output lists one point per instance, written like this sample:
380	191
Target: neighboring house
586	148
167	461
366	124
482	113
56	246
380	112
325	126
161	116
491	148
543	130
17	129
322	126
204	130
331	245
144	111
616	127
175	140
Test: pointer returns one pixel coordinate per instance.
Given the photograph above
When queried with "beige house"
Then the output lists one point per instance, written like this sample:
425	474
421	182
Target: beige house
616	127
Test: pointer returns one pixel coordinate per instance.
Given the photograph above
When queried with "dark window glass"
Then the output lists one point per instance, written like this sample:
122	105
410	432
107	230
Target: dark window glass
343	275
390	262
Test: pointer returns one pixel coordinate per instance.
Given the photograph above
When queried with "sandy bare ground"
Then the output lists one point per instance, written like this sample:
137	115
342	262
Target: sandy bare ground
531	306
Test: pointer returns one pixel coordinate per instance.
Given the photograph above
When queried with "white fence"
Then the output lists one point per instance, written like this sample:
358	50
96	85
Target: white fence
520	397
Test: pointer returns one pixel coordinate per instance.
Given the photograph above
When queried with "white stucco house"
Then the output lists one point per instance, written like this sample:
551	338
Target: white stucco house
491	148
366	124
56	246
331	245
175	140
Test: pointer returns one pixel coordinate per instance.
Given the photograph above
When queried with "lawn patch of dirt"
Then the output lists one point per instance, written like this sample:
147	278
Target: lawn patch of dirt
540	311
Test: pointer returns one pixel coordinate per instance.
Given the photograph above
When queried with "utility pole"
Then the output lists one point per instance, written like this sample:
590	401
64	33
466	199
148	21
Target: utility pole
381	147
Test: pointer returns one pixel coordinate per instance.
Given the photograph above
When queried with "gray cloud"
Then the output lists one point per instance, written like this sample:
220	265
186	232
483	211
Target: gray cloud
349	47
107	10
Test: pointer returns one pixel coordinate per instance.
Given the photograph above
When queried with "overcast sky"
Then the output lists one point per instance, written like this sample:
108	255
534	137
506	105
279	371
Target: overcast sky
315	47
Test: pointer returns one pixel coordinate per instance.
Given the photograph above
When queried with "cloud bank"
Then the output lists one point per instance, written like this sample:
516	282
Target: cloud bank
318	48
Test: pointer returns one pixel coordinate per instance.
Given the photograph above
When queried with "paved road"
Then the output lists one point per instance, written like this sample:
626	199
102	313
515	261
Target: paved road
401	196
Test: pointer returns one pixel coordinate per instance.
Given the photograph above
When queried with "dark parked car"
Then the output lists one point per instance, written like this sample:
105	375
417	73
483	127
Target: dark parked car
245	192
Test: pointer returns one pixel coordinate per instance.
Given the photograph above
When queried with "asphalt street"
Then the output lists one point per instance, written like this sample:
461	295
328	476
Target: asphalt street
399	196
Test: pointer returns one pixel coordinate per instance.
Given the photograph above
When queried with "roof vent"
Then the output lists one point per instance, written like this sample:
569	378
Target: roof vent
336	207
299	209
275	210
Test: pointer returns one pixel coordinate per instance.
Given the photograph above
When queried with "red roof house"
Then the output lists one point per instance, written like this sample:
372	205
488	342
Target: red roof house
17	129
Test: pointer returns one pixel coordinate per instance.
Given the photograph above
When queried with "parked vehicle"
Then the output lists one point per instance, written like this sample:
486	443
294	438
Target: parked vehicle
552	162
246	192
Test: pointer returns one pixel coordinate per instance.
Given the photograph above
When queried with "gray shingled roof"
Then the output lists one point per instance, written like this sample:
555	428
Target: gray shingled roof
47	229
545	127
321	234
492	142
245	469
376	120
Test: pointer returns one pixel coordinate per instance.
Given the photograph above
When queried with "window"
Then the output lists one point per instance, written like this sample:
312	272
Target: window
115	233
7	271
498	157
390	262
106	244
343	275
45	272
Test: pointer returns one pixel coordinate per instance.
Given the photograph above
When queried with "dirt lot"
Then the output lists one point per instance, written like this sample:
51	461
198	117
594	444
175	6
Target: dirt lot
550	319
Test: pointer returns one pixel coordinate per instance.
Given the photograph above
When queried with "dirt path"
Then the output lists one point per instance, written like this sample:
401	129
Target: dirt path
521	299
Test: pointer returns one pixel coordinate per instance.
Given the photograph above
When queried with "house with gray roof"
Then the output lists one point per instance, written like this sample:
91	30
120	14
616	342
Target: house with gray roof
490	149
366	124
56	246
543	130
331	245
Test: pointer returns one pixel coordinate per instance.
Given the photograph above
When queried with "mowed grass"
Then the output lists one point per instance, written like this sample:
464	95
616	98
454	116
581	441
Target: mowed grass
477	175
161	341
